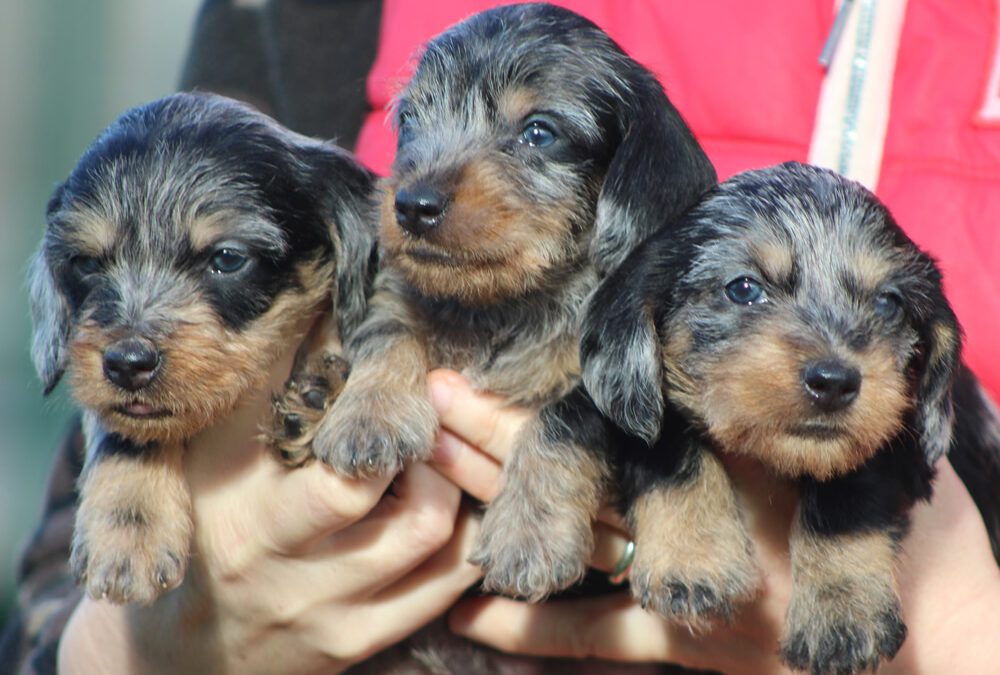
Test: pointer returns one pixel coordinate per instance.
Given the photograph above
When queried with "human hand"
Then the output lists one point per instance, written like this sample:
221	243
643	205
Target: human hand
949	581
477	434
292	570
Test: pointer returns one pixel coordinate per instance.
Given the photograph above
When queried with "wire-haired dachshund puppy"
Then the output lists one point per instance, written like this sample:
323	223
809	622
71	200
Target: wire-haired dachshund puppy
533	155
193	242
786	318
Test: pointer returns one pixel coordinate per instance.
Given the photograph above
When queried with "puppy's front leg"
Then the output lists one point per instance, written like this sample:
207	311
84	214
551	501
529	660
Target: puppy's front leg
133	525
317	377
383	416
537	535
693	555
844	614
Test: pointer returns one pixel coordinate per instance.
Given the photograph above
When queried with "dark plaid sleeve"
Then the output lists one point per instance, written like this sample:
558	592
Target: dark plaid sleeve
303	62
46	595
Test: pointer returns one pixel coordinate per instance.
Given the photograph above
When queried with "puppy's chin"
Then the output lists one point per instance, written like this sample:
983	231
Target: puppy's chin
152	416
472	275
152	421
480	281
153	424
794	451
206	372
778	427
184	404
751	398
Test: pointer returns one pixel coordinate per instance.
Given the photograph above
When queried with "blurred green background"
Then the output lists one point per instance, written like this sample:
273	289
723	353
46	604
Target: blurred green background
67	69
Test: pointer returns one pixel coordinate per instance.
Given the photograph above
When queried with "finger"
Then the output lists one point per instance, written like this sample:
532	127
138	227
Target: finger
475	472
482	420
608	627
612	627
610	545
302	507
417	492
947	536
610	515
411	524
441	579
416	600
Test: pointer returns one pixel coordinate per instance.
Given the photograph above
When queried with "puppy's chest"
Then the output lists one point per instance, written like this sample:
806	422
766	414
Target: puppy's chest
527	364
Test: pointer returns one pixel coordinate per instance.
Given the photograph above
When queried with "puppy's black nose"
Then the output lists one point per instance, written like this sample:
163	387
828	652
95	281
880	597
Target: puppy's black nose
419	208
831	384
131	363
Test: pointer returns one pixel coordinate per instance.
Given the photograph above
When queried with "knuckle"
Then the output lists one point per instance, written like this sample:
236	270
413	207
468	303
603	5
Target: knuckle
493	438
328	503
495	485
284	612
227	556
230	565
347	646
430	528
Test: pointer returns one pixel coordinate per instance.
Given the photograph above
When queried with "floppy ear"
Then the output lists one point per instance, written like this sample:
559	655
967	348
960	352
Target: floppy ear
620	351
941	340
51	321
657	172
353	211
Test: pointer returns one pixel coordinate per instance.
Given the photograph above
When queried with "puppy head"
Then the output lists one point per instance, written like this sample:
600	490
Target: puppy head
790	317
521	127
182	254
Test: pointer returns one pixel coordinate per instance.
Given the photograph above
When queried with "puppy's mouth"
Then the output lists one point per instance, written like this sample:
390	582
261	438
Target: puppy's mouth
139	410
428	256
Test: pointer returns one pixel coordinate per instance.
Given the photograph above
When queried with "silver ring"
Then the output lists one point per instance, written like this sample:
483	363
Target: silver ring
622	568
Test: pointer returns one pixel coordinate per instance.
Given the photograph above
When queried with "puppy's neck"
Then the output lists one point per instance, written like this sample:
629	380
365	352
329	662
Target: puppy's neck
523	347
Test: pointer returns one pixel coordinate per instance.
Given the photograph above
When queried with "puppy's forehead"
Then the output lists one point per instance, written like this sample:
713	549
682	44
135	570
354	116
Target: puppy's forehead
519	102
809	242
807	222
163	173
518	58
82	228
154	201
218	223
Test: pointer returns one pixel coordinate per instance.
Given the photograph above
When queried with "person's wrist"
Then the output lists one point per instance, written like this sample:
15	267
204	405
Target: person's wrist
101	637
96	639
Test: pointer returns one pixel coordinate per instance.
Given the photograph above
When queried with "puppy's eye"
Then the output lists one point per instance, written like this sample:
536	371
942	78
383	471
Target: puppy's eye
83	266
404	127
537	133
746	291
888	305
228	261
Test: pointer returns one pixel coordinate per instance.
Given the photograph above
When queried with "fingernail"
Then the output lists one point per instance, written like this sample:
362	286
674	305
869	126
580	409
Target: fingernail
440	393
446	449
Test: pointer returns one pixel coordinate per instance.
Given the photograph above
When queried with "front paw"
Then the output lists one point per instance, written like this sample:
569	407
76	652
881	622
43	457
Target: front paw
693	597
297	412
127	564
374	432
529	550
694	559
838	630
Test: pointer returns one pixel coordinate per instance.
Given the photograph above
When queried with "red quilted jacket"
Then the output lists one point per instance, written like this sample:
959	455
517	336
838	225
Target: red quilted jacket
746	77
